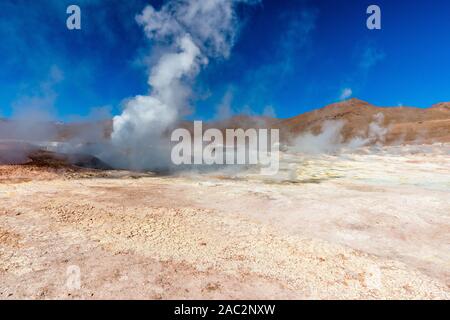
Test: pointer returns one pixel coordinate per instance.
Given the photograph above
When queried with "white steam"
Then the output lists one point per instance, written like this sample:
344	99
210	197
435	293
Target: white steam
190	33
331	140
376	134
346	93
328	141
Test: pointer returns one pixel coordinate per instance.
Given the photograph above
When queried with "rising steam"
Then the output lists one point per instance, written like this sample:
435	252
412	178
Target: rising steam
331	139
189	34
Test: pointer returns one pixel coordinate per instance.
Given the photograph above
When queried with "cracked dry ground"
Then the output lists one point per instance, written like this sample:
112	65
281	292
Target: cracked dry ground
173	237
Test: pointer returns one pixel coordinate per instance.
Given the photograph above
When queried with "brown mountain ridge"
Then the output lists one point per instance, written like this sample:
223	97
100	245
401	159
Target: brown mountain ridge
402	124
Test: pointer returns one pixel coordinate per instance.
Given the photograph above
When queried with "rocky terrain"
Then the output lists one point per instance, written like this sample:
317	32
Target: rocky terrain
371	222
363	225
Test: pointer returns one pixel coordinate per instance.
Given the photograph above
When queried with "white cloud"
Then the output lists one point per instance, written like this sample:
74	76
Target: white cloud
346	93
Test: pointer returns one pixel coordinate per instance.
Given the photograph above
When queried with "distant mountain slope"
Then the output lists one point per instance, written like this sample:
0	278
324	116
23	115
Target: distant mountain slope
403	124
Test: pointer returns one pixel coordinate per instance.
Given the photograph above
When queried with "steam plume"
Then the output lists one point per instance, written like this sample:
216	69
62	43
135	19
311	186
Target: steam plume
331	139
190	33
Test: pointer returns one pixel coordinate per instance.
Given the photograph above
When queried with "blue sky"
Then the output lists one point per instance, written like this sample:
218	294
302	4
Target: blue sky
290	57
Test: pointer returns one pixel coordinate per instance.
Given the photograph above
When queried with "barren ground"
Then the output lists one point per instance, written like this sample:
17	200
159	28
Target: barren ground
362	225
